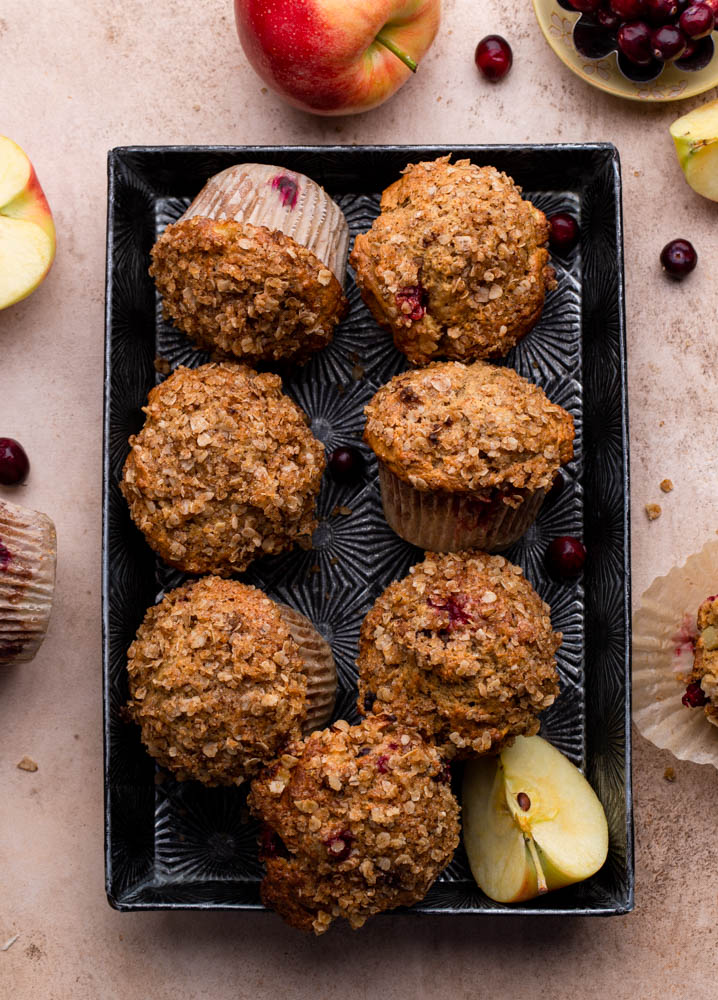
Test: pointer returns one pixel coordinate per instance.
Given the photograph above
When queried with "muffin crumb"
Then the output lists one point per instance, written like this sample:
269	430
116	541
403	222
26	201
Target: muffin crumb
653	510
669	774
666	485
27	764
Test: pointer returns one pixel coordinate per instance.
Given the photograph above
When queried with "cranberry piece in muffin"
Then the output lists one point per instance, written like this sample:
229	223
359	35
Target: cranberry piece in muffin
365	817
462	649
702	682
456	264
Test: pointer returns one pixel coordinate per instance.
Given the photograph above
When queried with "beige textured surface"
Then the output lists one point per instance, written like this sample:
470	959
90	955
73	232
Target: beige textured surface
79	76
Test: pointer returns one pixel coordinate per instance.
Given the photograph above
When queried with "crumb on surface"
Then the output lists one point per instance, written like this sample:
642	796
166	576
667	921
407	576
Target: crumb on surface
669	774
653	511
666	485
27	764
162	366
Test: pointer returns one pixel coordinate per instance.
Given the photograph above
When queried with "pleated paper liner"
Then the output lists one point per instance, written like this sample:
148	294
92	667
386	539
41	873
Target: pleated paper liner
280	199
664	628
321	669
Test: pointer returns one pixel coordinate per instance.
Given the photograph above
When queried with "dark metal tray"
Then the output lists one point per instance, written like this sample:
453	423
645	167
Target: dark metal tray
173	845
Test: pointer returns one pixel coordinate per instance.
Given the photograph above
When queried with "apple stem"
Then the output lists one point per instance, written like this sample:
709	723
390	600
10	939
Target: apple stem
540	877
393	47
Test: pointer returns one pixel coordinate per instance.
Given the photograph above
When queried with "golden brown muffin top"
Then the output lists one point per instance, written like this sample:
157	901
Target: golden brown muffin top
463	650
224	470
705	661
216	681
456	264
244	290
464	428
360	819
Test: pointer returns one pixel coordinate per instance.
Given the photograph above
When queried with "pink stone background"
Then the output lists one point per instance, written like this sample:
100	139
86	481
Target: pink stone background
80	76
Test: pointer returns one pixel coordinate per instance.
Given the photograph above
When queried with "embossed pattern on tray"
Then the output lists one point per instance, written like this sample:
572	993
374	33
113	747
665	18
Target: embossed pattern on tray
170	844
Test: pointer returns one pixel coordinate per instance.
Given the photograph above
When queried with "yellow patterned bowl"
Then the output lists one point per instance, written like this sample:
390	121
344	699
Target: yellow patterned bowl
672	85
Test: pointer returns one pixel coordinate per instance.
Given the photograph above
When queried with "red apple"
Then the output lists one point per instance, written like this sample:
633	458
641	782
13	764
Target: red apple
27	232
336	57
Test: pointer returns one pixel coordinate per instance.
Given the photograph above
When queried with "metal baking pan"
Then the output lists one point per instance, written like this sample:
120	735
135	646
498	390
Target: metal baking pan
171	845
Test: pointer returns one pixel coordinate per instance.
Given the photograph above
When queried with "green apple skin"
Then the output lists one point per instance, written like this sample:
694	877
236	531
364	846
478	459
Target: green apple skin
695	137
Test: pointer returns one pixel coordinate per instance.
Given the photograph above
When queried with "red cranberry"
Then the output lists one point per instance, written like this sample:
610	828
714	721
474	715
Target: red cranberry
694	696
565	557
699	52
339	845
586	6
271	844
5	555
628	10
668	42
563	233
413	297
634	41
661	11
494	57
697	21
346	465
679	258
453	605
287	188
382	763
608	19
14	463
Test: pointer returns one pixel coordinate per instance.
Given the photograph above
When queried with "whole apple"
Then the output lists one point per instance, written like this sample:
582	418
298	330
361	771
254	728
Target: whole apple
336	57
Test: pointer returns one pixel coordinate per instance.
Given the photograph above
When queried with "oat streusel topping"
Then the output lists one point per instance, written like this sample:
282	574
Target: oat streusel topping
224	470
217	683
245	290
464	428
463	650
359	819
705	662
456	264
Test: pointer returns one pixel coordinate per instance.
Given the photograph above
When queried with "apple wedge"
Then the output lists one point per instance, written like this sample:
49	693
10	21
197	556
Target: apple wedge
532	823
27	231
695	136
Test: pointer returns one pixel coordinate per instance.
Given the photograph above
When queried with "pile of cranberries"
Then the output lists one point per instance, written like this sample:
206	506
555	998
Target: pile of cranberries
647	33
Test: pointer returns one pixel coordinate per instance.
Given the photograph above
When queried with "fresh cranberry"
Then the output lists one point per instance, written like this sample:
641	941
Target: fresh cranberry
493	57
669	42
586	6
628	10
339	845
608	19
565	557
635	42
14	463
563	233
5	556
661	11
346	465
454	606
694	696
699	52
697	21
415	299
679	258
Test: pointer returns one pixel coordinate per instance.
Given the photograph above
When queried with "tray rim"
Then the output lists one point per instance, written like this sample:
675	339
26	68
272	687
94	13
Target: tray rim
115	156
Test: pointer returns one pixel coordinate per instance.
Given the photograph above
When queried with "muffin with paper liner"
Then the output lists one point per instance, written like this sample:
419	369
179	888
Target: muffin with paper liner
255	267
675	649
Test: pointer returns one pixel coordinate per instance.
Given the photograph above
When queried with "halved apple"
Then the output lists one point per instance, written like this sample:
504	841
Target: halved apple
696	140
27	232
532	822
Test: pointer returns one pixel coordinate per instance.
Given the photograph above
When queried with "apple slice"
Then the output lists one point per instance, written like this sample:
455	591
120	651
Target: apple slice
696	140
532	823
27	231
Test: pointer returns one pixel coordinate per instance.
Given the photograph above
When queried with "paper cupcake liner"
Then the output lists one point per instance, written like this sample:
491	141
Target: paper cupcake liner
663	631
451	522
28	553
321	669
280	199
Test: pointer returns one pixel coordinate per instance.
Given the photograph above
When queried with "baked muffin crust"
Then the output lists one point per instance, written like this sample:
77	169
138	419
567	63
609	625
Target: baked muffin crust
463	650
468	428
456	264
224	470
360	819
245	291
705	661
217	683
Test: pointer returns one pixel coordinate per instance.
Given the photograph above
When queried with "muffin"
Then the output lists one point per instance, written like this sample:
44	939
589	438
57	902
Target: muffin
359	819
466	454
254	269
462	650
456	264
218	684
28	554
224	470
702	681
